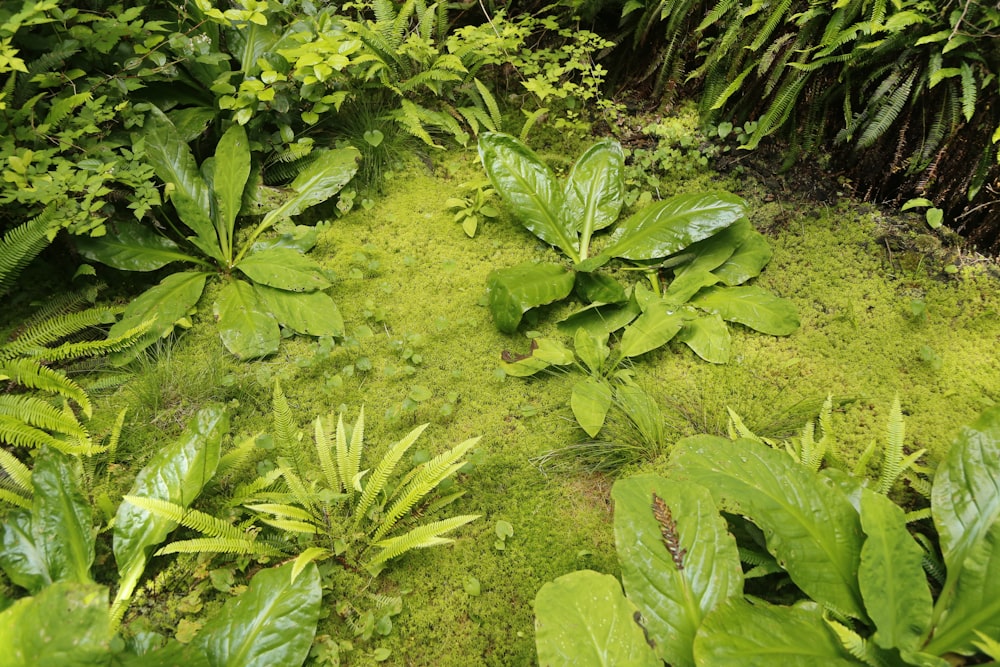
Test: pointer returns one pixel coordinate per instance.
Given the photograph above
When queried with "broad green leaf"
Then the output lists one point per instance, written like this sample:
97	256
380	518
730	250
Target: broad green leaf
177	473
232	169
325	176
167	303
172	654
601	319
132	247
672	225
599	288
529	187
582	619
270	625
62	522
593	194
653	329
21	559
965	503
673	589
545	352
592	350
310	313
172	161
704	256
191	122
750	306
246	328
811	528
708	336
285	269
297	237
737	634
747	262
515	290
892	579
590	401
67	624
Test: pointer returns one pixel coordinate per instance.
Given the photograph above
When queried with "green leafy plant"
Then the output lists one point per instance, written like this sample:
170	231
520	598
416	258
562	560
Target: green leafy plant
279	285
473	208
358	516
704	238
865	598
48	548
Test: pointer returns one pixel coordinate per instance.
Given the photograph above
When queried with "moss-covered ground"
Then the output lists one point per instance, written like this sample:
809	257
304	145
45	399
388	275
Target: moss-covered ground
880	318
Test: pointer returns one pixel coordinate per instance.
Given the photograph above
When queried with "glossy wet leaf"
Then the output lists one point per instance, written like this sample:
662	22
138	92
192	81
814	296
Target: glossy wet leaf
515	290
811	527
673	600
653	329
599	320
704	256
752	307
669	226
246	328
750	258
737	634
173	162
891	576
271	624
599	288
232	169
529	188
66	624
594	191
285	269
592	350
965	502
590	402
582	619
708	336
545	352
132	247
166	304
21	559
176	473
324	177
62	522
310	313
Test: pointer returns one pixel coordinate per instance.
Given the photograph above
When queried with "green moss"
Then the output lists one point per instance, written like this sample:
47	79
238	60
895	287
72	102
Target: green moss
410	286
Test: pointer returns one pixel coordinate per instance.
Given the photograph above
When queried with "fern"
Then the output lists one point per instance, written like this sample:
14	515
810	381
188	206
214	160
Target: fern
431	474
40	414
242	547
888	113
419	538
29	373
22	244
376	483
855	644
17	476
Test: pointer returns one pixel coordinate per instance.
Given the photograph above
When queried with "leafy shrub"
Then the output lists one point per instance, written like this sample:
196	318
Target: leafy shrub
864	595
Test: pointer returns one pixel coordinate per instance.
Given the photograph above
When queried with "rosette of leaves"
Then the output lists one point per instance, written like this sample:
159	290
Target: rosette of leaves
266	282
703	239
863	594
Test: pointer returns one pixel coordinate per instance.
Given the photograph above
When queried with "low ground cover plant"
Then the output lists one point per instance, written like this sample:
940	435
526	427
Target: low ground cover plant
867	591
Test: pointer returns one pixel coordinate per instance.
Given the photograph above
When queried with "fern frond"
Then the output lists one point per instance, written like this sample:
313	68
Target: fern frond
968	92
354	451
290	525
202	522
920	485
887	113
237	458
18	474
918	515
409	117
243	546
91	348
376	483
343	453
491	104
892	456
778	112
290	511
31	374
15	499
443	502
324	449
36	412
114	437
251	489
774	18
431	474
419	538
22	244
737	429
931	562
855	644
15	432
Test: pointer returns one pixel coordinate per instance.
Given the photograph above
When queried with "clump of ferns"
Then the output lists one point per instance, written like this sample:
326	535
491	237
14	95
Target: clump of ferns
813	447
37	400
362	518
